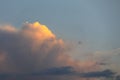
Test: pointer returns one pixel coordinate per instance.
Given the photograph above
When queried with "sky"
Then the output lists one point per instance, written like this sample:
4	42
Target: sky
95	22
89	27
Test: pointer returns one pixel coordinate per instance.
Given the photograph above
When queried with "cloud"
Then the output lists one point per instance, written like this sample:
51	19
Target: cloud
117	77
34	48
69	71
62	73
106	55
28	48
106	73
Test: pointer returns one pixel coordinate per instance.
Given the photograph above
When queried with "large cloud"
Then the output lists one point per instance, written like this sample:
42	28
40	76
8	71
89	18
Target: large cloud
35	48
32	47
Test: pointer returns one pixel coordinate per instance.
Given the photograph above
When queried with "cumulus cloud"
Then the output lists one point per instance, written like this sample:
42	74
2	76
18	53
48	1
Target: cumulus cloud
29	48
34	48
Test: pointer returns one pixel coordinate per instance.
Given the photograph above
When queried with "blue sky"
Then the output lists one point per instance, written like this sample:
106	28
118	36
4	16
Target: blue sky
93	22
